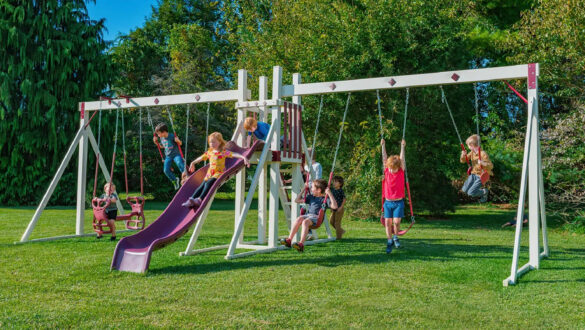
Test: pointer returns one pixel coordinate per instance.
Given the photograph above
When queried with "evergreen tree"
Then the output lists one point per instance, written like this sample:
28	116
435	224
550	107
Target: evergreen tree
52	58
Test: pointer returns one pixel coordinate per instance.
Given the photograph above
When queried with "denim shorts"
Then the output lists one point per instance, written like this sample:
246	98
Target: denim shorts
312	217
394	209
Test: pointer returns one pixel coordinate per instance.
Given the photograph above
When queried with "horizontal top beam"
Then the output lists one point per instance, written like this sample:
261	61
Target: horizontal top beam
165	100
416	80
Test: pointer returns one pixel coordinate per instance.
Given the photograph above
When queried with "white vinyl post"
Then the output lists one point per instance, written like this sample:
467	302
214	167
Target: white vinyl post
81	173
52	185
241	140
275	166
297	181
535	170
262	184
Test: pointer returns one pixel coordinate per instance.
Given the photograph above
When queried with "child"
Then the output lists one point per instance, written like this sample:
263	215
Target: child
337	214
393	194
260	129
216	155
315	201
171	144
112	209
318	171
472	185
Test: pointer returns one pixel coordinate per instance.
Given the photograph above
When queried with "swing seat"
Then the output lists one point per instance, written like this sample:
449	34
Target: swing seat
319	219
100	218
135	220
484	177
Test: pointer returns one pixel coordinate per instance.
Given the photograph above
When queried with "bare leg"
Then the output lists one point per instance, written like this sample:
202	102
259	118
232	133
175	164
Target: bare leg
389	227
306	224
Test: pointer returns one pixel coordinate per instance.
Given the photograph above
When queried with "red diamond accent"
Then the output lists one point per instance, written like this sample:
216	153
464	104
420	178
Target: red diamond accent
392	82
197	97
156	101
455	77
332	86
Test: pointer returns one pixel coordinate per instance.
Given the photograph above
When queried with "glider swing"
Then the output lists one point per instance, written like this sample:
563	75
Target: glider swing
135	220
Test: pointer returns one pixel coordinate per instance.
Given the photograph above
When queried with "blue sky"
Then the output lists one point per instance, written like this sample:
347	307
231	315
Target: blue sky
121	15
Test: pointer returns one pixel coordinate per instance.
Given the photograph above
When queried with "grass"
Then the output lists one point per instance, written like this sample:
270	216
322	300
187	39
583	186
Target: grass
449	274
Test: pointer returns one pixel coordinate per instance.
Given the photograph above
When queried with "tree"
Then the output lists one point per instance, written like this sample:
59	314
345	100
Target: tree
53	57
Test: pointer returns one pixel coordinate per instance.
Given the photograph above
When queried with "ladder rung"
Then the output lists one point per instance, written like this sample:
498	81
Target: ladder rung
286	170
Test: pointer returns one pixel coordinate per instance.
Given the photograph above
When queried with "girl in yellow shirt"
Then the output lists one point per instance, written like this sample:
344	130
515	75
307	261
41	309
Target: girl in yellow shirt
216	156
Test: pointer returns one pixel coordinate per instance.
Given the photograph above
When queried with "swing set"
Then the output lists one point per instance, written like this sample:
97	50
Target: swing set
531	176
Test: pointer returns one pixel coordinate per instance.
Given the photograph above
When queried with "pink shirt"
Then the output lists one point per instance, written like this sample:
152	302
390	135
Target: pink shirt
393	184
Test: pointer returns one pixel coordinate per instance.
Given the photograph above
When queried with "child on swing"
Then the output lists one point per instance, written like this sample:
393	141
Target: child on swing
319	190
112	209
216	156
171	143
393	193
473	184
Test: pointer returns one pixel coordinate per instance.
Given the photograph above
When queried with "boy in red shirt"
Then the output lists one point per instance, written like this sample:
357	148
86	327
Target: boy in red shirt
393	194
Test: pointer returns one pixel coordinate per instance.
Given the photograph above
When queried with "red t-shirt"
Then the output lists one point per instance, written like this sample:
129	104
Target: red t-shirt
394	184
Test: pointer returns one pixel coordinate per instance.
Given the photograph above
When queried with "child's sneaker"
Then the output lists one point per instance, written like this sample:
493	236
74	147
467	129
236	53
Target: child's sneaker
197	202
389	246
285	242
484	197
189	203
113	238
298	246
396	242
177	183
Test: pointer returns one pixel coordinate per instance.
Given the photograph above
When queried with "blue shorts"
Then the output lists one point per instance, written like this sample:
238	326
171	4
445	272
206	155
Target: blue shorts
313	217
394	209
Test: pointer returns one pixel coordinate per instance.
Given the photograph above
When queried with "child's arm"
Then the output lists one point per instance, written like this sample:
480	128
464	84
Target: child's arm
331	198
155	139
237	155
177	141
248	140
463	158
402	152
384	155
192	165
343	203
300	198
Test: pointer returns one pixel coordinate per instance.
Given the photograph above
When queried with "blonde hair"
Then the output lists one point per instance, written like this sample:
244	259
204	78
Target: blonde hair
219	138
249	123
112	187
393	162
473	140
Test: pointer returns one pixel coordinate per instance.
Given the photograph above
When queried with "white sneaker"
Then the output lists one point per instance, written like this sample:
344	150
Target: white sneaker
177	183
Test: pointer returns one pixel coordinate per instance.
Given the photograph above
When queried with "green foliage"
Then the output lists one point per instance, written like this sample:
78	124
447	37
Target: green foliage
52	58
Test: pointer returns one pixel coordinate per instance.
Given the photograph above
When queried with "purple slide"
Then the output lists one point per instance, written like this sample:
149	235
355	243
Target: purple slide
133	253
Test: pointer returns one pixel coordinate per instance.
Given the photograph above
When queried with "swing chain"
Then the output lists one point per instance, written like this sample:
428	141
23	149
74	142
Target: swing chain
444	100
187	132
379	101
316	128
340	131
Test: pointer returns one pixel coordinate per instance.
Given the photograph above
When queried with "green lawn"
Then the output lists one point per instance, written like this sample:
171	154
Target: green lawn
449	274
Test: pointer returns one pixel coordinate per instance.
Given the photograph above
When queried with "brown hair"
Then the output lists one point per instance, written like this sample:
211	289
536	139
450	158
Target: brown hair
339	179
320	184
249	123
161	128
219	138
473	140
393	162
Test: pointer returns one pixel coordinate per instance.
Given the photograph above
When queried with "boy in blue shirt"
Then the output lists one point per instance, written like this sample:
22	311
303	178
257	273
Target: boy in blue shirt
260	129
171	144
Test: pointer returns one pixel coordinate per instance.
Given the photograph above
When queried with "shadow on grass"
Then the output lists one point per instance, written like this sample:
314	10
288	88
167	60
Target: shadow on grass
351	252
